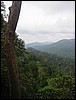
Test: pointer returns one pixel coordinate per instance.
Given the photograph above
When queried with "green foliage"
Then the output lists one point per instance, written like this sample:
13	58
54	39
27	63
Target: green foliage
58	88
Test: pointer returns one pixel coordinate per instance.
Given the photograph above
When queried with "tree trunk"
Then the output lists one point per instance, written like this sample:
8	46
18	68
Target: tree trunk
9	48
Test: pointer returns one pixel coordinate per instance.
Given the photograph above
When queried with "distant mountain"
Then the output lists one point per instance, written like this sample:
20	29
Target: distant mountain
65	48
37	44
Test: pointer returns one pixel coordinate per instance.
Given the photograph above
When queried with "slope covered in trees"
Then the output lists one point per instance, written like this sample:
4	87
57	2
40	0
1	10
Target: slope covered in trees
63	48
41	75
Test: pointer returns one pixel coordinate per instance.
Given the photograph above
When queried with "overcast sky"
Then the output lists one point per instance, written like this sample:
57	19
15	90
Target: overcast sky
45	21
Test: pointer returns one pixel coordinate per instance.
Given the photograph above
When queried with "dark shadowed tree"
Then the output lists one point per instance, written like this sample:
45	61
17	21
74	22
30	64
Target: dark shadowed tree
10	51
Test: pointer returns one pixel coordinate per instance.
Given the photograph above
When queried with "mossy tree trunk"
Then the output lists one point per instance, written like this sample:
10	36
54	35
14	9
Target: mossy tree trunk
9	48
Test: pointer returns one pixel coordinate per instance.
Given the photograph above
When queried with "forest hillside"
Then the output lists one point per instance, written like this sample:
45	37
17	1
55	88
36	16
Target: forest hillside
63	48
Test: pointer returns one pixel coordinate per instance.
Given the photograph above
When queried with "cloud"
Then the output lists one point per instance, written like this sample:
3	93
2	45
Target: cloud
35	18
28	38
46	19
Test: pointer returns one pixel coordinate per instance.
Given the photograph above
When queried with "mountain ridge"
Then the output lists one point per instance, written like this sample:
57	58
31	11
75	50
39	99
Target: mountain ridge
37	44
65	47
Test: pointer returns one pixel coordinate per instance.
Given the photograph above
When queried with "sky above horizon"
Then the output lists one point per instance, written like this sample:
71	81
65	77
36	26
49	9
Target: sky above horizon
45	21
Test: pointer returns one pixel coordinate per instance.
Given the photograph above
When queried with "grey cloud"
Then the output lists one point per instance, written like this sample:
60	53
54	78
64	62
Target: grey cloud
54	19
55	7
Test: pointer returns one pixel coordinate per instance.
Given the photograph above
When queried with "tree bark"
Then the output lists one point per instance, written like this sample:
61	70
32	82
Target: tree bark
9	48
